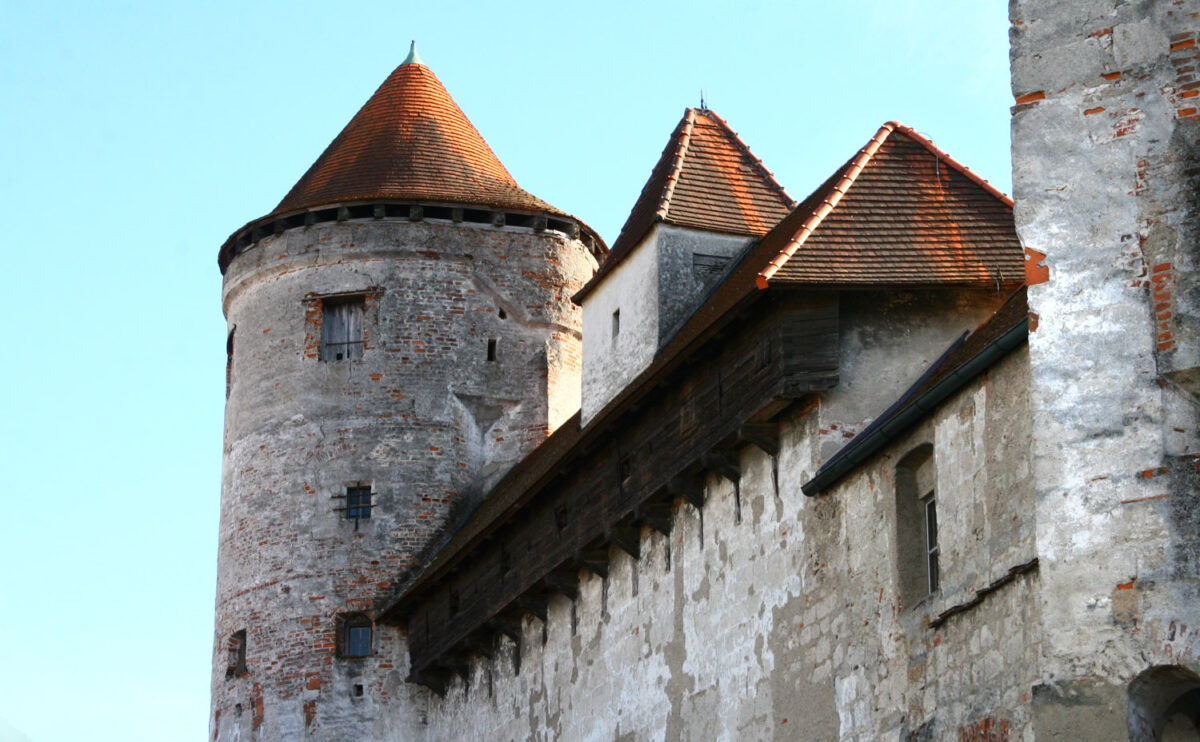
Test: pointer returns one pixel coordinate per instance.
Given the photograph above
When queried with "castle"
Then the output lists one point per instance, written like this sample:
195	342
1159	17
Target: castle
906	459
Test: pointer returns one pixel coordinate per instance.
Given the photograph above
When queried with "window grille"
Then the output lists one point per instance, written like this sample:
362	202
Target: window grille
358	503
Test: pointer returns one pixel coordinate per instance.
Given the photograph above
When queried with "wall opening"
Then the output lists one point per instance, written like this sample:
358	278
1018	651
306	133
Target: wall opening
229	361
916	525
1164	705
236	649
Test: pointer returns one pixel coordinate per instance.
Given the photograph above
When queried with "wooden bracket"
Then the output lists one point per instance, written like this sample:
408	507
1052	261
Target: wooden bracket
565	581
532	603
658	515
688	486
626	538
594	561
763	435
507	625
723	463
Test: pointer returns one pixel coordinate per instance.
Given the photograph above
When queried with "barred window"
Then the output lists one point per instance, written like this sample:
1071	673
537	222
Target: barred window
358	503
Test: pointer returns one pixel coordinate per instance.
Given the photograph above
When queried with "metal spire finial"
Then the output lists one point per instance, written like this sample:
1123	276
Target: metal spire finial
413	57
702	106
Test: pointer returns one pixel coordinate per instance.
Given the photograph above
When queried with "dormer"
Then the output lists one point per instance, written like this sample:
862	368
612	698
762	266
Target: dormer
707	200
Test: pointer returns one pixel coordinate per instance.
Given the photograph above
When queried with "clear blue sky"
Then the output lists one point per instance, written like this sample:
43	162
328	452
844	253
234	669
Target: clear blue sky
137	136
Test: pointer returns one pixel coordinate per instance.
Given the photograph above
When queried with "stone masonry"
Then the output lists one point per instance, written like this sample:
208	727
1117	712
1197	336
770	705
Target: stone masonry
423	418
1106	177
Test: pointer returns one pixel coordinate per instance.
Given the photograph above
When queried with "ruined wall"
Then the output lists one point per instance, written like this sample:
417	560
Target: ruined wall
424	418
1106	177
770	615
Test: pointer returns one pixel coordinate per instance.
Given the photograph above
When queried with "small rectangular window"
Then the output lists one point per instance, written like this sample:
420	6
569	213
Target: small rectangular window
931	542
491	349
341	329
358	642
616	324
355	640
358	503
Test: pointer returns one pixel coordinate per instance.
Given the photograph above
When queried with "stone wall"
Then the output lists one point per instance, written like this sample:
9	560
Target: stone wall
424	418
770	615
1106	177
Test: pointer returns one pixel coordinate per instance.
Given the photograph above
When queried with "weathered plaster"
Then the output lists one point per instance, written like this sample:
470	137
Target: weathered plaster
784	622
1105	180
423	417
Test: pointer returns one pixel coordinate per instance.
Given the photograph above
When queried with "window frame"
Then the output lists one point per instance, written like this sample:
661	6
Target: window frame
342	327
932	550
350	636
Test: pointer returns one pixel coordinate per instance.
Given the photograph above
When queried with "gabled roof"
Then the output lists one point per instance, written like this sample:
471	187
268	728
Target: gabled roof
410	141
900	212
707	178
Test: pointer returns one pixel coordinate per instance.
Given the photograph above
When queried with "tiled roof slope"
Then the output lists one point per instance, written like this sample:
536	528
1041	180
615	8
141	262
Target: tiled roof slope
900	212
707	178
410	141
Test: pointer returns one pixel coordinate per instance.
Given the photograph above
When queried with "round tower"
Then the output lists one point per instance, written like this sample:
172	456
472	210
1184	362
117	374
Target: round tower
400	333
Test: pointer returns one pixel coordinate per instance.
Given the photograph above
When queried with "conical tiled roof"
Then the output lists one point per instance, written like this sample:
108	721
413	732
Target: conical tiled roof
410	141
707	178
900	212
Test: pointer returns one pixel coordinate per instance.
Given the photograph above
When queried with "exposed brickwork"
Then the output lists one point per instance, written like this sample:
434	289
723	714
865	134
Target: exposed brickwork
1105	174
423	418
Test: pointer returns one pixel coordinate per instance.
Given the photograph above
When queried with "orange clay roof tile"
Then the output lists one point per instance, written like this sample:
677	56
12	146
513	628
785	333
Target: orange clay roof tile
707	178
900	212
410	141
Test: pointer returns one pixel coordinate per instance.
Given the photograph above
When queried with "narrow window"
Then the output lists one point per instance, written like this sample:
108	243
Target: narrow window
356	635
918	551
502	314
341	328
931	542
491	350
229	362
358	503
616	324
237	654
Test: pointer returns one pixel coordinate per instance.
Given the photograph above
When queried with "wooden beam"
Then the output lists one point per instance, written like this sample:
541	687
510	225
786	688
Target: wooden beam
724	463
455	663
688	486
532	603
565	581
763	435
507	625
434	678
594	561
479	645
658	515
626	538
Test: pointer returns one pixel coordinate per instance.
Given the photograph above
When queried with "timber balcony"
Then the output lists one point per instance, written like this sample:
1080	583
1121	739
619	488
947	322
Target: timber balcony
582	493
